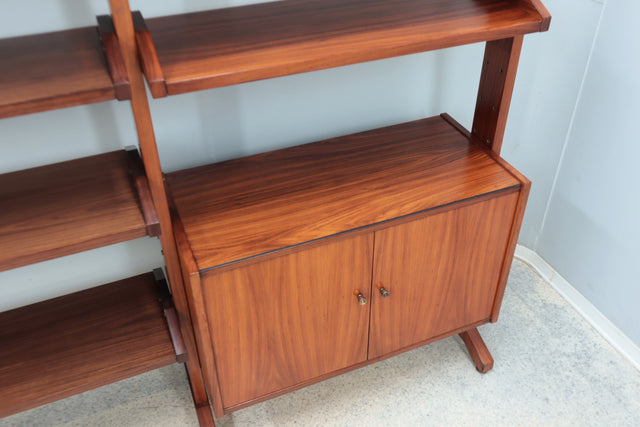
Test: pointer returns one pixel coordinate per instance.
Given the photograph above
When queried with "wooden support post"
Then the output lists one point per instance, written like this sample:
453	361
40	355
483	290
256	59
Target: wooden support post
494	94
478	350
123	23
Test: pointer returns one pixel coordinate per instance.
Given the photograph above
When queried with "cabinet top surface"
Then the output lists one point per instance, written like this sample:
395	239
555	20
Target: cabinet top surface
246	207
214	48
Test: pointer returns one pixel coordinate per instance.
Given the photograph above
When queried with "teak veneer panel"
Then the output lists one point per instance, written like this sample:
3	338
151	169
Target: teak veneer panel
215	48
443	273
77	342
304	319
64	208
53	70
246	207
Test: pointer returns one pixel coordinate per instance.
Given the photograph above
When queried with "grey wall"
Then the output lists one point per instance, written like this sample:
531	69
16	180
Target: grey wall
229	122
591	233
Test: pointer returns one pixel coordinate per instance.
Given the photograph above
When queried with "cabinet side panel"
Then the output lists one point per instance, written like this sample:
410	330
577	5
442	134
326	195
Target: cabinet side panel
442	273
288	319
201	361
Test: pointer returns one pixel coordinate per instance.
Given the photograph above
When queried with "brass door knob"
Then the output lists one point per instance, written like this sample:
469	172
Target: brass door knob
361	299
384	292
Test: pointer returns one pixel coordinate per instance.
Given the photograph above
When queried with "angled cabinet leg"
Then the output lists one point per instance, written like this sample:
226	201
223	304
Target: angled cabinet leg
205	416
478	350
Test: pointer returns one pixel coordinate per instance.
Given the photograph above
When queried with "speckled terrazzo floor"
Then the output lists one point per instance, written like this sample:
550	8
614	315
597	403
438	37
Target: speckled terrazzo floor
552	369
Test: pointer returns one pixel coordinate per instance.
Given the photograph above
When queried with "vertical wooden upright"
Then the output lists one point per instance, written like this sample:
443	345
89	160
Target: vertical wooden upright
123	23
499	68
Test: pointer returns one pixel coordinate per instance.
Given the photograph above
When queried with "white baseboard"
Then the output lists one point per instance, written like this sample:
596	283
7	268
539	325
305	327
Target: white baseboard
608	330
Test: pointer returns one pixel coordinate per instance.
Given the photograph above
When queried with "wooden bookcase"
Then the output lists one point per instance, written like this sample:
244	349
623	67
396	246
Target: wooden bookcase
366	199
67	345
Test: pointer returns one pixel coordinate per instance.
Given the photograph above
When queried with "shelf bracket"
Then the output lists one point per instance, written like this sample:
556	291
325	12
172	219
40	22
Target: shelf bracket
149	57
170	316
136	169
113	55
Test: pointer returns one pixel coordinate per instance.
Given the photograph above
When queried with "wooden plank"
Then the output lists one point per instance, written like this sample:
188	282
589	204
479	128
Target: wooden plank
246	207
123	22
77	342
53	70
221	47
67	207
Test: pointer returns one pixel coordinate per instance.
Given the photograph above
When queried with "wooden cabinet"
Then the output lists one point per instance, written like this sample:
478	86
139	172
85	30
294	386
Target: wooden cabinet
285	274
291	319
272	257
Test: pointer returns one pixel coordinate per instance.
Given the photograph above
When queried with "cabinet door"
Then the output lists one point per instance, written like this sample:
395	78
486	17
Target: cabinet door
442	273
289	319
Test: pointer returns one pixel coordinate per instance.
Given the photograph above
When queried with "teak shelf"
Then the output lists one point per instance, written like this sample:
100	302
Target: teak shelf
423	216
77	342
55	70
222	47
73	206
57	348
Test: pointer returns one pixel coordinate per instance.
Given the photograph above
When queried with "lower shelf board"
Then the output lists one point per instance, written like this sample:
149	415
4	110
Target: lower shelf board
77	342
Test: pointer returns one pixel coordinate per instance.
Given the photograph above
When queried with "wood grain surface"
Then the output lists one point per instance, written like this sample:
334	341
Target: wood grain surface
290	319
115	61
67	207
228	46
64	346
442	272
53	70
123	23
149	57
498	76
250	206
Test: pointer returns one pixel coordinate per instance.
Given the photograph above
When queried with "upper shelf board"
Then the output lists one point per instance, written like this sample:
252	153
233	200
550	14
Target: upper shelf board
203	50
56	70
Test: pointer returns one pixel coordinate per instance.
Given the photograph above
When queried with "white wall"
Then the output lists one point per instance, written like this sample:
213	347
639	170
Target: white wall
551	68
229	122
591	234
